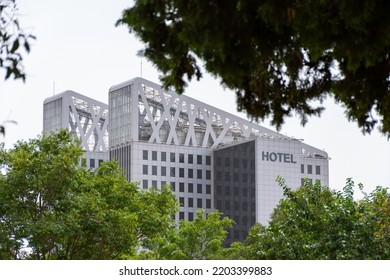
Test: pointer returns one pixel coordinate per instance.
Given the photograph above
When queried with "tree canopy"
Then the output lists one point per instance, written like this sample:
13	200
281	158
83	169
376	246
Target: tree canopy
278	56
13	41
52	208
315	222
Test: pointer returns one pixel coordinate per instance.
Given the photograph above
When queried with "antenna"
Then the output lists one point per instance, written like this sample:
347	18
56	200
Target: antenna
54	88
141	68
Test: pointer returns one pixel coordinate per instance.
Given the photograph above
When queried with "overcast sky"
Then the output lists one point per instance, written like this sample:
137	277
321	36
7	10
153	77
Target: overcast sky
79	48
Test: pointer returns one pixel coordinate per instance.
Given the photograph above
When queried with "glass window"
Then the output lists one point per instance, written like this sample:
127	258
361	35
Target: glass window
190	188
244	191
219	204
190	173
145	169
145	155
208	203
200	203
227	204
154	170
181	172
244	163
302	168
154	155
181	158
199	159
236	178
219	189
208	189
190	216
227	162
236	205
199	173
318	170
244	177
199	188
83	162
163	156
310	169
219	175
181	215
244	206
227	176
173	186
154	183
100	162
163	183
91	162
218	161
145	184
173	172
208	160
236	191
181	200
190	202
163	171
190	158
172	157
227	190
181	187
208	174
236	163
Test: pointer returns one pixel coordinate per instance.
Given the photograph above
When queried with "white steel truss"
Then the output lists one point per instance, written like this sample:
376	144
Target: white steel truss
85	117
165	117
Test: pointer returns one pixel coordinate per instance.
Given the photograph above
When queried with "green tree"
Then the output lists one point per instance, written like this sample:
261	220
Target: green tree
278	56
13	41
200	239
315	222
52	208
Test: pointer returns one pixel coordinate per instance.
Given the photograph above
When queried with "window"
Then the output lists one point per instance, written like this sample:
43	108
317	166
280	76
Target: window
227	190
145	155
163	156
236	163
208	189
318	170
199	188
163	183
208	174
236	191
145	169
173	186
199	159
91	162
173	172
208	160
181	158
236	177
310	169
244	163
219	175
219	189
190	173
244	206
227	162
145	184
199	174
83	162
190	202
244	177
227	176
163	171
227	204
218	161
154	183
181	187
100	162
244	192
190	188
219	204
181	215
236	205
208	203
190	216
190	158
181	172
302	168
200	203
154	170
181	200
154	155
172	157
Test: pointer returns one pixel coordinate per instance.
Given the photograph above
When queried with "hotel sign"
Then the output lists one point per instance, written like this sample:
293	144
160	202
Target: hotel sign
278	157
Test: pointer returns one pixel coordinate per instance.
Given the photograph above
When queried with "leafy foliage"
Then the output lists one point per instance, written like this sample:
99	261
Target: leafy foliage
13	41
278	56
315	222
52	208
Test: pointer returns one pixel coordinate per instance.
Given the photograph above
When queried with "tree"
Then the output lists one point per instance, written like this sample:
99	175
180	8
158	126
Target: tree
199	239
315	222
13	41
52	208
278	56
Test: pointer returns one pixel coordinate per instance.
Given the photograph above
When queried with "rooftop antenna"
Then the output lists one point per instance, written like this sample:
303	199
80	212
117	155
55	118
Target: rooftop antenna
54	88
141	67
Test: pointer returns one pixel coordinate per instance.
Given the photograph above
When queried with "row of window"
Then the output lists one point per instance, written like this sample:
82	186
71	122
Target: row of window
191	216
189	202
235	162
92	162
236	191
183	173
177	157
235	177
183	187
234	205
310	181
310	169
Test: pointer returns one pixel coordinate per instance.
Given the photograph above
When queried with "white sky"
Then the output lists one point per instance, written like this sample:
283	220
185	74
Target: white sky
79	48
